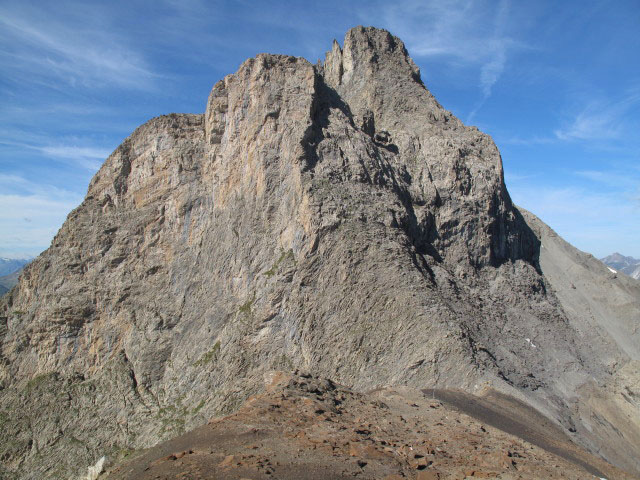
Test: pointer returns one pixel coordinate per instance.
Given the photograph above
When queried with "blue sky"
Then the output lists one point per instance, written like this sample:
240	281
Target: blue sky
556	84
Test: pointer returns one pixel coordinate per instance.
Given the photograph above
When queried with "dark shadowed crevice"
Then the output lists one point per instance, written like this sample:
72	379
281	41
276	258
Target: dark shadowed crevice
325	99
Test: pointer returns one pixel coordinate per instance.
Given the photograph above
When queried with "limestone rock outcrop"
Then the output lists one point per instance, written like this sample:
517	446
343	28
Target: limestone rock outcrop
332	217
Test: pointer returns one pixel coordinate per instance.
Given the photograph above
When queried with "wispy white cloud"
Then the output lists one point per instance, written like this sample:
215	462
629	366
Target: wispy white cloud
86	157
16	184
622	180
492	70
442	28
535	140
517	177
463	32
590	125
600	120
31	214
40	45
37	110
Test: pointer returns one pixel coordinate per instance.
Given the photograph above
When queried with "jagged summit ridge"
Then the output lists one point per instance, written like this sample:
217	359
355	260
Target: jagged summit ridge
365	49
331	217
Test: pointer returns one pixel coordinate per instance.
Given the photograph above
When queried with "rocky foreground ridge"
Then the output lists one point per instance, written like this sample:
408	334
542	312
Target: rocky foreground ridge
331	217
306	427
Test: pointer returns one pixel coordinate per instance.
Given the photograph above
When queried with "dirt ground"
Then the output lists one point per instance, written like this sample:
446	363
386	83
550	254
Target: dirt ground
309	428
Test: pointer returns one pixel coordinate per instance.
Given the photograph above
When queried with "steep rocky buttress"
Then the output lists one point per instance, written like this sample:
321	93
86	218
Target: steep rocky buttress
332	217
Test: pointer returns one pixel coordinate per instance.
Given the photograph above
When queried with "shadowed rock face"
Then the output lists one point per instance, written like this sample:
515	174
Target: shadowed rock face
332	217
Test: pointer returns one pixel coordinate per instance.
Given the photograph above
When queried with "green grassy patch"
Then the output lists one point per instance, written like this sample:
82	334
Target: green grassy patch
245	308
39	380
209	357
288	255
198	407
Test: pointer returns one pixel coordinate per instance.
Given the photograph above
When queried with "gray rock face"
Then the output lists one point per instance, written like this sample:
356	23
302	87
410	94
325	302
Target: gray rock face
331	217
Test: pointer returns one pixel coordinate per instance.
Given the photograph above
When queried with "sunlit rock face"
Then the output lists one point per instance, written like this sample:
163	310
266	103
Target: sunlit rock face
329	217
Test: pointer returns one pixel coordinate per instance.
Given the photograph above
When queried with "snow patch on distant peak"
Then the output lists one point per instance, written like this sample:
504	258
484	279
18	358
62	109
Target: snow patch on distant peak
612	270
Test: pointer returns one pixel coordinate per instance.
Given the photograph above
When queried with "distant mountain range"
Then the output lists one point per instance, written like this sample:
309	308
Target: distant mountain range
10	265
627	265
10	269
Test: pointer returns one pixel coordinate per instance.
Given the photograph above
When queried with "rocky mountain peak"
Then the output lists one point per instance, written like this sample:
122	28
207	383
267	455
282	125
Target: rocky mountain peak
367	50
374	67
627	265
620	259
333	218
